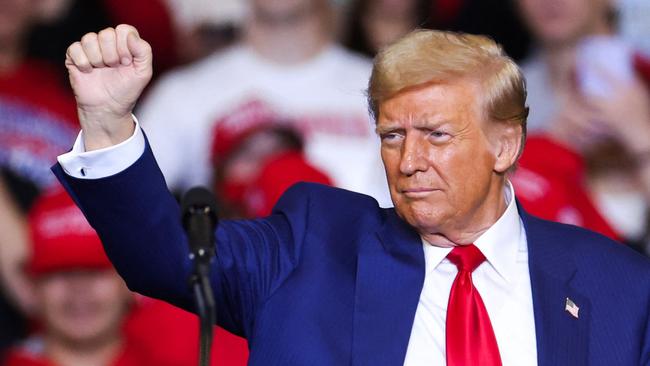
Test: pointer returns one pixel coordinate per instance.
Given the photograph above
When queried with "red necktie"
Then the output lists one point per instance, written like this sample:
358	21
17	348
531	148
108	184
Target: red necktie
470	338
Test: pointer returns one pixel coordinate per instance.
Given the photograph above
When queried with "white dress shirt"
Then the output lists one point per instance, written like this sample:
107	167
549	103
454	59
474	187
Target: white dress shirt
502	280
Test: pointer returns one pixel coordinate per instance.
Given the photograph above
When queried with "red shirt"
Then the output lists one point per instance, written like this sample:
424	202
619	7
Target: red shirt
31	354
550	184
38	122
170	336
37	84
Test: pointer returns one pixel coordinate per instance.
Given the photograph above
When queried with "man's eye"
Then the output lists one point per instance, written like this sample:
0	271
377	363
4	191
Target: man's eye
390	136
439	135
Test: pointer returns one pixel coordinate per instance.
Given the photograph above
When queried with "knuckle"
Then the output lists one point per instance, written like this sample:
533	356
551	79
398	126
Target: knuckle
106	34
73	47
89	38
124	28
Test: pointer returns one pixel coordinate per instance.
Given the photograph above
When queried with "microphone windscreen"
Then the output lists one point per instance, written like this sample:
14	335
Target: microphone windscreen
199	198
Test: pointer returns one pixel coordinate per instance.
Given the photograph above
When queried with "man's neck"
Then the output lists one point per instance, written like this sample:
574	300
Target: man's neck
290	42
101	353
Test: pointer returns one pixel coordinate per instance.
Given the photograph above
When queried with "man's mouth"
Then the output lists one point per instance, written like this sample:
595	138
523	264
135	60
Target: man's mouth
415	192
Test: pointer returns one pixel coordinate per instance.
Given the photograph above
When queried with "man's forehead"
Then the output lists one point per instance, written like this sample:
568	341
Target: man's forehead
432	102
416	120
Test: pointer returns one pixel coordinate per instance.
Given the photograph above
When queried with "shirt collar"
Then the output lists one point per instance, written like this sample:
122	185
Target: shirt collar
499	244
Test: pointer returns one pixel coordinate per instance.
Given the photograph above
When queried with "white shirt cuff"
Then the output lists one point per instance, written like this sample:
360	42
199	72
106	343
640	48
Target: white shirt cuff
103	162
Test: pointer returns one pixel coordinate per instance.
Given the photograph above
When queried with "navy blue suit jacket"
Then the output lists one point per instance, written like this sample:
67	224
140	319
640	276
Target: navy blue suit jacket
332	279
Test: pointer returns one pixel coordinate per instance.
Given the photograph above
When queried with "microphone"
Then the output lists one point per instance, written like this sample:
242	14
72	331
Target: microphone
199	217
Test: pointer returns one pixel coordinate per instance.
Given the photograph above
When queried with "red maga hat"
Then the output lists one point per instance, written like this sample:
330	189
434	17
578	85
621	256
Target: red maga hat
235	126
279	173
61	237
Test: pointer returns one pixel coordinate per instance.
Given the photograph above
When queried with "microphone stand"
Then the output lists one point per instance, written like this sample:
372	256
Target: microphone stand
200	220
205	305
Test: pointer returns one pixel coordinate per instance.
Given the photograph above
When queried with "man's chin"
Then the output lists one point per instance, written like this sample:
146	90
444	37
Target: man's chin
431	226
424	225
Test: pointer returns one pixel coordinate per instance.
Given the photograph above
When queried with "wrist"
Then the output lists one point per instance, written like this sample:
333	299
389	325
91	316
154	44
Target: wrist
105	131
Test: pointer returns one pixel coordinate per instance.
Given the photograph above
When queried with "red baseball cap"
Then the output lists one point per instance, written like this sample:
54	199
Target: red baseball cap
61	237
279	173
237	125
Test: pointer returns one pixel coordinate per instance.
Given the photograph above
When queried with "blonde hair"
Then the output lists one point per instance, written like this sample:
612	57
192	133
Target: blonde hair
425	56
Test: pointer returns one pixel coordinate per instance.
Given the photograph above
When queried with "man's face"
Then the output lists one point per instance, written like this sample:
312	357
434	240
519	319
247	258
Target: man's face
439	161
82	307
557	22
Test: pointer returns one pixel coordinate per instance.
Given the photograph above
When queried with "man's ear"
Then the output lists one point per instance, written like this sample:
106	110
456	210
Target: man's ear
506	141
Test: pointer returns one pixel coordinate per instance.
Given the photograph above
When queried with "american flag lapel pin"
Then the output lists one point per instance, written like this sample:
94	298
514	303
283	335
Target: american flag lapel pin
571	308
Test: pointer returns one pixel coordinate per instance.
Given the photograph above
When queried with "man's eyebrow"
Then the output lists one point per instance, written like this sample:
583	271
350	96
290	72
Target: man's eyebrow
424	123
385	127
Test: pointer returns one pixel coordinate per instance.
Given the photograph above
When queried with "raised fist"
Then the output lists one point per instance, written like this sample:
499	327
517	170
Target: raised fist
108	71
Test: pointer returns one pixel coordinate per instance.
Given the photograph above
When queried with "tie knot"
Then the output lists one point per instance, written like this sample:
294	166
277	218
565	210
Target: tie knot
466	257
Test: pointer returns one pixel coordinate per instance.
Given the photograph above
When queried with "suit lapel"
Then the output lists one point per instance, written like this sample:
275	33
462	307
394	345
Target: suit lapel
562	339
390	275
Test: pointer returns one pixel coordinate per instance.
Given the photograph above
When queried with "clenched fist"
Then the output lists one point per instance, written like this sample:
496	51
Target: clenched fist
108	71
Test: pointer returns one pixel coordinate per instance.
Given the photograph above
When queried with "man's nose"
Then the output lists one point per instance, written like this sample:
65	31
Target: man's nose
413	157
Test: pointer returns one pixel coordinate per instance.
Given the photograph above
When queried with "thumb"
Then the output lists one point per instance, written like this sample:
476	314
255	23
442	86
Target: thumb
141	51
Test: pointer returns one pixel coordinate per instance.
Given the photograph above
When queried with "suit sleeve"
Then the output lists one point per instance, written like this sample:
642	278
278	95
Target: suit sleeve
138	221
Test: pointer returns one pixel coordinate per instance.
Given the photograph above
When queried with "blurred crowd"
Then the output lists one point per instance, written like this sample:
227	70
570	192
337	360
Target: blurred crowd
251	96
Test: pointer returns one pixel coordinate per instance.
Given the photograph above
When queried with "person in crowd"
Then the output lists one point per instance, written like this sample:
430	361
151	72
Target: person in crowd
455	273
57	23
496	18
374	24
85	314
255	160
587	93
81	302
38	122
287	60
203	27
551	183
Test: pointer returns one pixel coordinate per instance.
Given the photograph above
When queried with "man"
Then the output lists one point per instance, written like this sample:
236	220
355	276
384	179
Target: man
286	57
457	272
